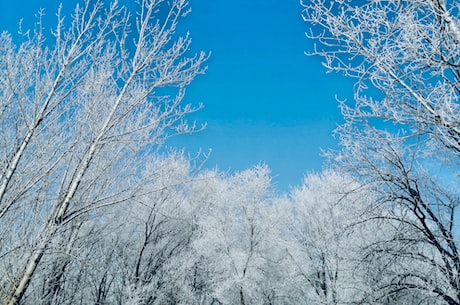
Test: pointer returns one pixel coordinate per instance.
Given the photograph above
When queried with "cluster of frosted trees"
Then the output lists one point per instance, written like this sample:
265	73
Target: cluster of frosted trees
204	238
95	210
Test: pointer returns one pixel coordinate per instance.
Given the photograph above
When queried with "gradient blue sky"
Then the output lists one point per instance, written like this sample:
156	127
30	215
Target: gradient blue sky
265	101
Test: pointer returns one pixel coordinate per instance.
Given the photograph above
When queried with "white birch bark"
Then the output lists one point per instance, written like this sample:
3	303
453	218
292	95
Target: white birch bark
112	123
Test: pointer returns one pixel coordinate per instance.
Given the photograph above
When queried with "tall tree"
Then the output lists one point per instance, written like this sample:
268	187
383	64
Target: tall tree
78	118
401	136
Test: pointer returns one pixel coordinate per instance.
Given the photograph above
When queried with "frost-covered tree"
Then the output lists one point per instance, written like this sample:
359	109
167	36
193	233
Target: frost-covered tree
156	238
324	235
407	50
81	112
235	241
401	135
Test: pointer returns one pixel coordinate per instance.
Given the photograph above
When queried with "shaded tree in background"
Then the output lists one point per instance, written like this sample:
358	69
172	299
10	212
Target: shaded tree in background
401	136
323	239
236	240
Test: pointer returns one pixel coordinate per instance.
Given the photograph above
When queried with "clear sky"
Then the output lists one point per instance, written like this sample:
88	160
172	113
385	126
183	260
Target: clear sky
265	101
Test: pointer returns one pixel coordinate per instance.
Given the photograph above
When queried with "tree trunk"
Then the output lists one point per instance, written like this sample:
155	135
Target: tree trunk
19	290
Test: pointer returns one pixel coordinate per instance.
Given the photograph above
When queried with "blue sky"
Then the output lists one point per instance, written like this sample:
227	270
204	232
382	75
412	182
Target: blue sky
265	101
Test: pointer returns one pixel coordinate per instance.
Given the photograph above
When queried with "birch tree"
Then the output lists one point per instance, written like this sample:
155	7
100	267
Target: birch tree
401	135
80	113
